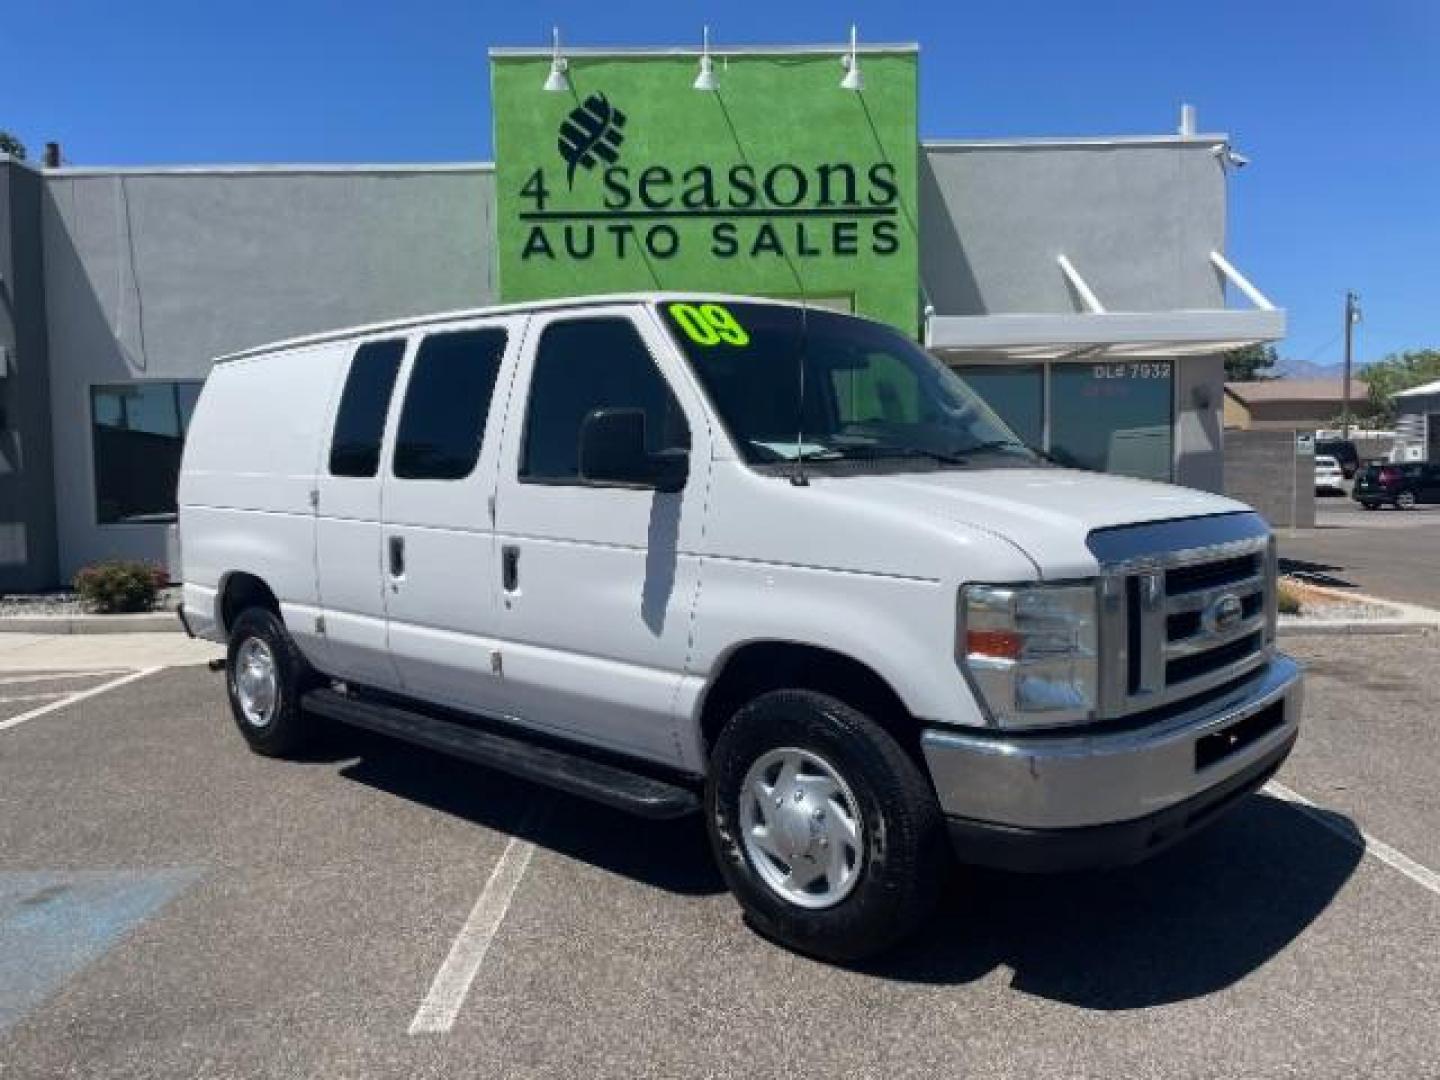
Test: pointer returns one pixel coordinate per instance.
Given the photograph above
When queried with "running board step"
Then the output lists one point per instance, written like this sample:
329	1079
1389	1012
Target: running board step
604	783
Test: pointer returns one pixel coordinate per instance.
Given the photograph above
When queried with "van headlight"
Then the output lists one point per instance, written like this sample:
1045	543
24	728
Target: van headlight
1030	652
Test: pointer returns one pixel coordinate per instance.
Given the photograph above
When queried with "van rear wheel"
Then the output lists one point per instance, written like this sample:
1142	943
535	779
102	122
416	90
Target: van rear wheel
825	830
265	674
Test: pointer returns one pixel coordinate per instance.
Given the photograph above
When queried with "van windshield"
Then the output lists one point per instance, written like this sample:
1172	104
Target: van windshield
869	393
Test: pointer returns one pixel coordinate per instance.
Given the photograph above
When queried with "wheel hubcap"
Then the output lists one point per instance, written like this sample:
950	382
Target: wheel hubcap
801	827
257	683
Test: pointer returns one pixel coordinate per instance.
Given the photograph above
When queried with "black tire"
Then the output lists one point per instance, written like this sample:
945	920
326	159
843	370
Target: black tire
286	728
903	837
1405	500
1370	506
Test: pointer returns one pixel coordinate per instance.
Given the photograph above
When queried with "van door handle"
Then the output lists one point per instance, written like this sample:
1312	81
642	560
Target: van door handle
397	556
510	567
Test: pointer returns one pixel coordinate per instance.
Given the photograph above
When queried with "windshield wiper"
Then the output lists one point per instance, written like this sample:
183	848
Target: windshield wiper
871	453
998	444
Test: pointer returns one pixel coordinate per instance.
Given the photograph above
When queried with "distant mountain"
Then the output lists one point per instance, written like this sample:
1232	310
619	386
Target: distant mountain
1304	369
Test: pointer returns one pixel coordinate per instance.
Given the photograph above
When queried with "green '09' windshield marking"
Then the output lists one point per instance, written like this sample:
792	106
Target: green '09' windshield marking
709	324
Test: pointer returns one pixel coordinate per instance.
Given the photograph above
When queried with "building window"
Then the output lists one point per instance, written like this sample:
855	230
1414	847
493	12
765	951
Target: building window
1113	416
447	403
1110	416
1016	393
586	364
364	403
138	432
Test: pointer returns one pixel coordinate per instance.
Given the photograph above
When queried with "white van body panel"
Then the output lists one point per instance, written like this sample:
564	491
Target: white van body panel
1046	513
441	612
596	637
871	566
348	546
245	482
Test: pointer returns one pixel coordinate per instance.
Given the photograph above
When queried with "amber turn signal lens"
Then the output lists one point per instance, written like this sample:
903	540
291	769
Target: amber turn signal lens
997	644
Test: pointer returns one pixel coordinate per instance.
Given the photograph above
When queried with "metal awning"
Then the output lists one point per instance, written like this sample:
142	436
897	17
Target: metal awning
1097	333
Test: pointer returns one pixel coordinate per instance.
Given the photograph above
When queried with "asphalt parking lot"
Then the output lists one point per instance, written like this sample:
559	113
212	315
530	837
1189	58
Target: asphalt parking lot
1384	552
171	905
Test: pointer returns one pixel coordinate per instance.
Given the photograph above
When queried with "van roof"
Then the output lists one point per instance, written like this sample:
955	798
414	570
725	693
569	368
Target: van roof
440	318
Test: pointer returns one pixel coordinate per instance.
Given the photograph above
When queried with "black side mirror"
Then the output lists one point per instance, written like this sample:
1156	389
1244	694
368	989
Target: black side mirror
612	451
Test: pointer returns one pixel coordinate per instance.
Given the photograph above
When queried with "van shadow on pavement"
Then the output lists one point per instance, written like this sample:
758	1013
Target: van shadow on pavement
669	855
1187	923
1318	573
1190	922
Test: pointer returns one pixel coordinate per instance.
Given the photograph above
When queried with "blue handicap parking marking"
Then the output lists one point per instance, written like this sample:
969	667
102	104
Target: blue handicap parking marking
54	923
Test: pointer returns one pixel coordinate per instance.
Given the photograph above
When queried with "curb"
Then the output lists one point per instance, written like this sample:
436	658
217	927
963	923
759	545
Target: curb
1413	612
144	622
1300	628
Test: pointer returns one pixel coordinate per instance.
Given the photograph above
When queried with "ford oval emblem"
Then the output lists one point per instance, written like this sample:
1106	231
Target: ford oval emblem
1224	613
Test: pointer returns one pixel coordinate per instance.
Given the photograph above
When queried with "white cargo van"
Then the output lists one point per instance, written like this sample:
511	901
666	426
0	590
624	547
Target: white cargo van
681	553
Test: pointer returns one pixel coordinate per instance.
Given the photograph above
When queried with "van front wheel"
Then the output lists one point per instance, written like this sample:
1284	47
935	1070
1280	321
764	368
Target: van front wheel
824	828
265	674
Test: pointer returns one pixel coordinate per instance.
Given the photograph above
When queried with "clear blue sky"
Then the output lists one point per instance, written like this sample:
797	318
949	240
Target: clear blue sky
1337	104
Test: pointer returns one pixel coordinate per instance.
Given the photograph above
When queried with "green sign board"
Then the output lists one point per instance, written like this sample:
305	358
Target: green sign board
777	183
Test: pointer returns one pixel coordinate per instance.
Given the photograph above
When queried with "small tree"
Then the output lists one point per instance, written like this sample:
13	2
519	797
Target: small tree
1399	371
9	144
1250	363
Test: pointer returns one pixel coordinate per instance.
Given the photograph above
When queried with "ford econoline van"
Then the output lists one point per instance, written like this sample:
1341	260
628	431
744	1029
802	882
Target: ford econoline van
714	554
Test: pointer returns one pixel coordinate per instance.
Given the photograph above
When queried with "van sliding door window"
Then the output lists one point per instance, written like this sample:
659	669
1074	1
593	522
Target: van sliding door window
446	403
360	420
583	365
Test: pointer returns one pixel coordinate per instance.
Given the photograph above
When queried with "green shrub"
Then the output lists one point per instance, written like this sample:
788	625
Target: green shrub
1289	599
120	585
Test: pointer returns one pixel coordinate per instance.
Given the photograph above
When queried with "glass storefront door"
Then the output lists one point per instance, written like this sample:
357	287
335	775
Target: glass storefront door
1114	417
1110	416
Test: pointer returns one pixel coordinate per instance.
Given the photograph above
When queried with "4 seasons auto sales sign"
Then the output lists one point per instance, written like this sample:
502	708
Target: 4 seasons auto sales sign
779	182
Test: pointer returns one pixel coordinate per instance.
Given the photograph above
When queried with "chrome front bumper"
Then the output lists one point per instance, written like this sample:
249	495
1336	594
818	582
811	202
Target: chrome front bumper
1022	785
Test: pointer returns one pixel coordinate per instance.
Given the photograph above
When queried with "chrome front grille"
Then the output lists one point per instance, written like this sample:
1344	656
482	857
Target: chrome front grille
1186	606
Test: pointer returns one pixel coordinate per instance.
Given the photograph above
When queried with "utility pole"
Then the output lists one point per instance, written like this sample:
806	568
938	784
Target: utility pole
1352	316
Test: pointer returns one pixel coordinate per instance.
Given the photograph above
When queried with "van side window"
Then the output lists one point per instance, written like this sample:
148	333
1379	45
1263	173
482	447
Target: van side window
587	364
360	420
446	404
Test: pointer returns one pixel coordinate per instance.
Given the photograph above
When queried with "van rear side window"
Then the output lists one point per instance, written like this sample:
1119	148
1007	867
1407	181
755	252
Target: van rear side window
360	420
446	404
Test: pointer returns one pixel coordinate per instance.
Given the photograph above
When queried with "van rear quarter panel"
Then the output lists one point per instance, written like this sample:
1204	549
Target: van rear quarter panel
249	466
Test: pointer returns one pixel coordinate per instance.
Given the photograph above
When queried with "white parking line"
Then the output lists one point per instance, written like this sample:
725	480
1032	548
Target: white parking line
71	699
452	982
11	699
58	676
1398	860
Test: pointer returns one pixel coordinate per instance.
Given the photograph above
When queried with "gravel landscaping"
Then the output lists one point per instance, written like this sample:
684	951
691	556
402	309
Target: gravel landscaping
65	603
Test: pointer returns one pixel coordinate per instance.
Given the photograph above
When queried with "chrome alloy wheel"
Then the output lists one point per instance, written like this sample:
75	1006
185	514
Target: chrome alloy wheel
801	827
257	681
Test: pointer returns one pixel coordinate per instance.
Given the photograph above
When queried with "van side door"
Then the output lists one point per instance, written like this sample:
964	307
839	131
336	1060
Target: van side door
438	497
347	517
598	582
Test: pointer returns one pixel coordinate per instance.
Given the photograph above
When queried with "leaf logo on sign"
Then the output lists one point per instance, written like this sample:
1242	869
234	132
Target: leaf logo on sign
593	132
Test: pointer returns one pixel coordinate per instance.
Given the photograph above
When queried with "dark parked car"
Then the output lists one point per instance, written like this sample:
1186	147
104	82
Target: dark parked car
1343	451
1401	486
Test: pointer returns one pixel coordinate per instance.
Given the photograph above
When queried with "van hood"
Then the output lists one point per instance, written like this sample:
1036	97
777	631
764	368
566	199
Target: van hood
1046	512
